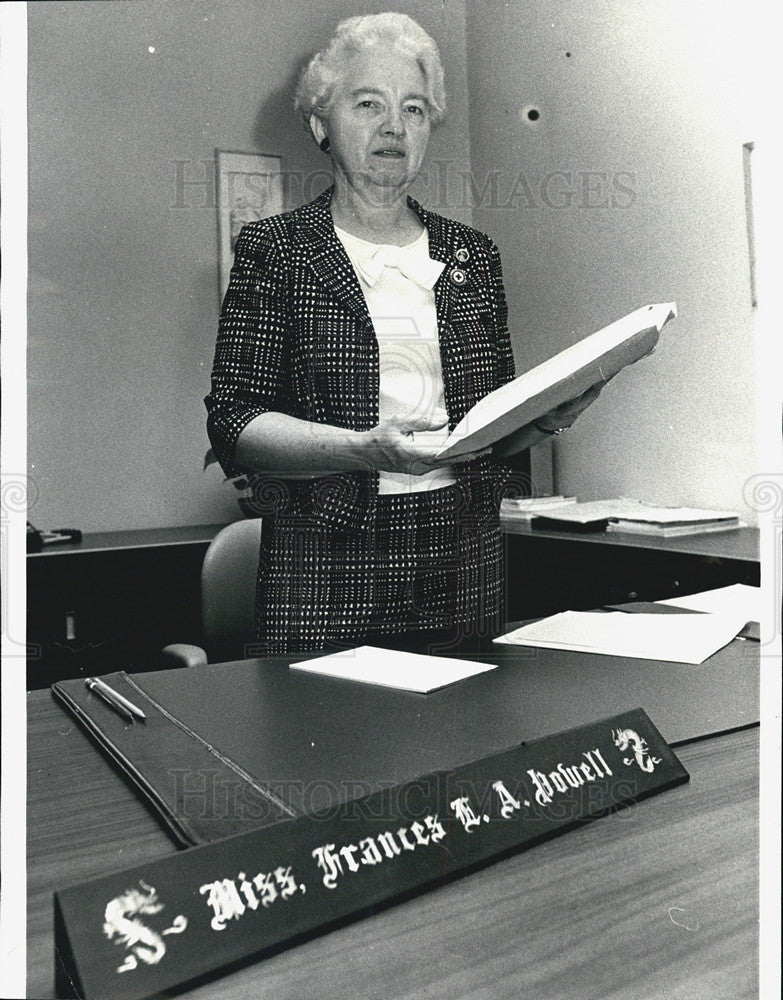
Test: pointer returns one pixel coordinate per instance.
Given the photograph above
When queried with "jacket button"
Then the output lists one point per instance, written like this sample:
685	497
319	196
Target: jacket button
457	276
462	255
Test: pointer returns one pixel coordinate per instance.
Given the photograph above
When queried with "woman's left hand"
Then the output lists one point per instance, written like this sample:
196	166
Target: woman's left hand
560	417
565	414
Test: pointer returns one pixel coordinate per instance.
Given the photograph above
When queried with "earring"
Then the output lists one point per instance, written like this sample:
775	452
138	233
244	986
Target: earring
324	144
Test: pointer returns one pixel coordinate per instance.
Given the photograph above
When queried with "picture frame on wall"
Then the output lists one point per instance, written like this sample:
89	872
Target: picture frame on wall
249	187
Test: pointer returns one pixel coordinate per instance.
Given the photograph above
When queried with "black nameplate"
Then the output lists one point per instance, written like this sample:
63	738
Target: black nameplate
151	928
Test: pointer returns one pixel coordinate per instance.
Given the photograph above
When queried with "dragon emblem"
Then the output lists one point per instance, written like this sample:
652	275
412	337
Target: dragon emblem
629	739
123	925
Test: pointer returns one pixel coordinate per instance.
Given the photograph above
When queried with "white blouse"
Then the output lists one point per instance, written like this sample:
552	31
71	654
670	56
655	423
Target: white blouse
398	287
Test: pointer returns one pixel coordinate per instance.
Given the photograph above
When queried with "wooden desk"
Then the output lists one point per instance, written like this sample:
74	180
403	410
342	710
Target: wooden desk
113	601
142	538
734	544
550	571
658	901
130	593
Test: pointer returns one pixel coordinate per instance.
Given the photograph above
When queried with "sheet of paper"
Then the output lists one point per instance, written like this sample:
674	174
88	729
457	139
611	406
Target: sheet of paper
676	638
565	376
393	668
738	599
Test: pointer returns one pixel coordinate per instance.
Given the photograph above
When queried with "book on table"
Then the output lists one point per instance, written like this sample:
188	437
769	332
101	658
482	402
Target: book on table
658	530
635	516
563	377
524	509
672	522
591	515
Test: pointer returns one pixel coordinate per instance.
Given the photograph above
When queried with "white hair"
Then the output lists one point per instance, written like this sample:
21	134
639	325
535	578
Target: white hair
391	30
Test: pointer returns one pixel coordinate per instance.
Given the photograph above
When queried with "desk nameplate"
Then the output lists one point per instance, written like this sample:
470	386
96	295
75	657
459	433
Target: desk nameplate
147	929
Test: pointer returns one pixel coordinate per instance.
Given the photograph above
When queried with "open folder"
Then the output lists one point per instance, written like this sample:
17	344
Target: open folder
683	638
567	375
227	748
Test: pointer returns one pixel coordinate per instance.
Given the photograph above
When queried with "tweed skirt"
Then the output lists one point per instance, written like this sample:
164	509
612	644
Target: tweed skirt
421	566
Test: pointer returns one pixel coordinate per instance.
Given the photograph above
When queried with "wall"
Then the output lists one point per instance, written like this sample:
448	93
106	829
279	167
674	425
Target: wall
644	119
644	106
123	298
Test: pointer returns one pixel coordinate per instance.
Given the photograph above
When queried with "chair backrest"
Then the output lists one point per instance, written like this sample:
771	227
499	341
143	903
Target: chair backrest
228	582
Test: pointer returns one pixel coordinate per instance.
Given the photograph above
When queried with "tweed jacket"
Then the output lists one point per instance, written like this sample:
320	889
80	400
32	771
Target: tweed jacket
296	337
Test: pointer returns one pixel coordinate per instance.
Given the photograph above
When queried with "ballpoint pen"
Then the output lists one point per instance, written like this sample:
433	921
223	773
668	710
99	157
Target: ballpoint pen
121	699
92	684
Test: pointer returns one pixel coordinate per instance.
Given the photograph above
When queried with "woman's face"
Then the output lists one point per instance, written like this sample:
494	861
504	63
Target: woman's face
379	123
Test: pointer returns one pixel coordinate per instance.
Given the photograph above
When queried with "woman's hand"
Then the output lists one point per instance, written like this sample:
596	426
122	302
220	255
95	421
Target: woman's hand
562	416
392	446
278	444
565	414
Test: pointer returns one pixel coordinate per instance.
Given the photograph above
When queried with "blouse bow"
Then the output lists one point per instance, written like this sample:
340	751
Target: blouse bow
412	261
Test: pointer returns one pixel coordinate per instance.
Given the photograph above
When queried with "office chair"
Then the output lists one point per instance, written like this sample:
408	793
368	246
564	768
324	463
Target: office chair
228	594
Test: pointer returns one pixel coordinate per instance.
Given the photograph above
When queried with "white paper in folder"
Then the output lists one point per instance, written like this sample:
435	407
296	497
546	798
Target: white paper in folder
565	376
679	638
738	599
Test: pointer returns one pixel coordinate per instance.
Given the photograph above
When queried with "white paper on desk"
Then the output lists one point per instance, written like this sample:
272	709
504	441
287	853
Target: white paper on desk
676	638
738	599
629	509
524	509
595	510
567	375
393	668
648	514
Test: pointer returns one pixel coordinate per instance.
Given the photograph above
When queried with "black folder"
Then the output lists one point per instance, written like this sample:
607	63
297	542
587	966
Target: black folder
231	747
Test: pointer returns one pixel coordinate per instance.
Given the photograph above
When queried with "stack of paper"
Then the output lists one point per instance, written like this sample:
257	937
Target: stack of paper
567	375
681	638
627	515
669	522
591	515
523	509
393	668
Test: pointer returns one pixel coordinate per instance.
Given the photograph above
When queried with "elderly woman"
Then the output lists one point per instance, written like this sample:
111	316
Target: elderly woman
356	331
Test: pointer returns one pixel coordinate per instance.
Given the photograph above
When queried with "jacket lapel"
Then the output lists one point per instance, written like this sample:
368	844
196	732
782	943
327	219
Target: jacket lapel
441	241
328	259
441	250
326	255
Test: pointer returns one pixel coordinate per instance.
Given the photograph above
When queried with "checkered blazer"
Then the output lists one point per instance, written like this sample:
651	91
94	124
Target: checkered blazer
295	337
